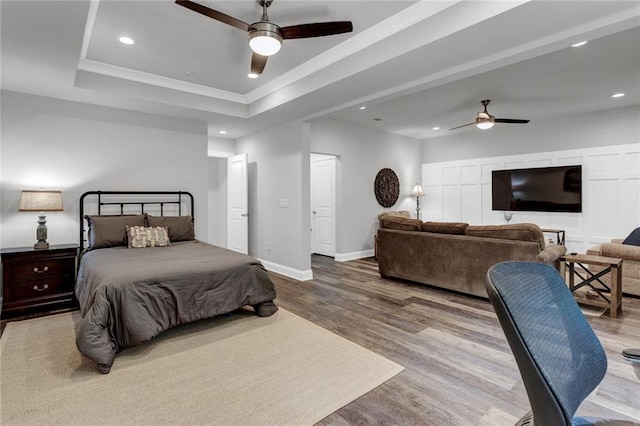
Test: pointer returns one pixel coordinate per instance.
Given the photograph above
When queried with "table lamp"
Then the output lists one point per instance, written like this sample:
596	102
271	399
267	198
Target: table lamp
41	201
417	192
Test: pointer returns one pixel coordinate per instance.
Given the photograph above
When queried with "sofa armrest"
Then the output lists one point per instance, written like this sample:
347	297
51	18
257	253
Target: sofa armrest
595	251
551	253
623	251
617	240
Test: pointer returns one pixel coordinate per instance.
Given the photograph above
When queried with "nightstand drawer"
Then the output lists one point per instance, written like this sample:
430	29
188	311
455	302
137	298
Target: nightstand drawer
41	287
42	269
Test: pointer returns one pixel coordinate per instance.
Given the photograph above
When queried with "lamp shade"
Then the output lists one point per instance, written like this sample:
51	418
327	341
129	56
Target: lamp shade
417	190
40	201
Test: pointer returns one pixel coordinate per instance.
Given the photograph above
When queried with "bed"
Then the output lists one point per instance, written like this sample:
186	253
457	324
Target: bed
142	271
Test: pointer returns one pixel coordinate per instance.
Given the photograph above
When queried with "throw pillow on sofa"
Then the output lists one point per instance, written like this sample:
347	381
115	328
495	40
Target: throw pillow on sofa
516	231
634	238
401	223
456	228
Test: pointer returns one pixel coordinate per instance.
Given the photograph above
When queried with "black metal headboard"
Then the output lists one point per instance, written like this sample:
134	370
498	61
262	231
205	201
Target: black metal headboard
174	203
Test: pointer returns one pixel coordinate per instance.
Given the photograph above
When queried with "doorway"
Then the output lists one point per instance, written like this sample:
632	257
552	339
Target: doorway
323	204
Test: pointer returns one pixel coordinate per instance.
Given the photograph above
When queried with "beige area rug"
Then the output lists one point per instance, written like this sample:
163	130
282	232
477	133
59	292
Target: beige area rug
281	370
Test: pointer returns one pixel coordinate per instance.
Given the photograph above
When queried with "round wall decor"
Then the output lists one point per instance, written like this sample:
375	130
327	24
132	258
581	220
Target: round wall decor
386	187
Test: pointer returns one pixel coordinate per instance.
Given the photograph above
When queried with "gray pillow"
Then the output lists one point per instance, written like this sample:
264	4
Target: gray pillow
633	238
111	231
180	227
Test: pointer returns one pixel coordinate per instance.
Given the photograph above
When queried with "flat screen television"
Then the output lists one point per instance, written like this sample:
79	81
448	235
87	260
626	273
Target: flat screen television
544	189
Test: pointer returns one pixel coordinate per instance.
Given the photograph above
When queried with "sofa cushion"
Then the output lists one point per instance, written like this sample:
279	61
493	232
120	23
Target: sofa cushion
516	231
401	223
634	238
394	213
456	228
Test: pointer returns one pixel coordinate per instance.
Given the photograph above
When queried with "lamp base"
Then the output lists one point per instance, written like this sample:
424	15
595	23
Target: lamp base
41	245
41	234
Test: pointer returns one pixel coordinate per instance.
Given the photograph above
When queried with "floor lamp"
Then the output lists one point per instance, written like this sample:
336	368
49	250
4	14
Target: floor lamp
417	192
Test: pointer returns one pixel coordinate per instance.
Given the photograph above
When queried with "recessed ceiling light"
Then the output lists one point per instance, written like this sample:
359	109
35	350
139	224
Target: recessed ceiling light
582	43
617	95
222	132
363	107
436	128
126	40
252	75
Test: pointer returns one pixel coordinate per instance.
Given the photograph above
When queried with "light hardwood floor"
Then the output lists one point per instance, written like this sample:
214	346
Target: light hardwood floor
458	366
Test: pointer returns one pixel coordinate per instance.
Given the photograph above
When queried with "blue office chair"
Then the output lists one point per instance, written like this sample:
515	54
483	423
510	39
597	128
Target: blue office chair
561	360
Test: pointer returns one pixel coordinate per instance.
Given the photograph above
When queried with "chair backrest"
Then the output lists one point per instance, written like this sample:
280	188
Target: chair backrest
559	356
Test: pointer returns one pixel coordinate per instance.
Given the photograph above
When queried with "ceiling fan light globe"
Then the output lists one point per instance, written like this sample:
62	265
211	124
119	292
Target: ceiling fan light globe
484	123
265	39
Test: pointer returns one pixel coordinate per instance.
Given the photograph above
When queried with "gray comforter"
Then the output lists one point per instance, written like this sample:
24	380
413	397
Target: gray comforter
128	296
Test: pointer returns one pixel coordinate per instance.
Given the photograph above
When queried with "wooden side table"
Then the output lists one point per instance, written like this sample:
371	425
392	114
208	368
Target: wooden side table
38	280
559	234
603	296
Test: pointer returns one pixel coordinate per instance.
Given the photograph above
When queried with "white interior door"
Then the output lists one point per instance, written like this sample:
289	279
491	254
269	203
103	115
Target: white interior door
323	205
237	204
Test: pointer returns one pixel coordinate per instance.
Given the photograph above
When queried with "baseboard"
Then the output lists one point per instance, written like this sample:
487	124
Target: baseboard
296	274
345	257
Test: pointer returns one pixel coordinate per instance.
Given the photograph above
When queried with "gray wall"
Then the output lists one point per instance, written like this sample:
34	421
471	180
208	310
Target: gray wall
612	127
278	169
76	147
361	153
217	198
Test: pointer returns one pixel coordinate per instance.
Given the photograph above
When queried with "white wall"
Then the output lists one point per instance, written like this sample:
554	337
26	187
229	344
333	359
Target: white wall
220	147
278	169
606	144
76	147
361	153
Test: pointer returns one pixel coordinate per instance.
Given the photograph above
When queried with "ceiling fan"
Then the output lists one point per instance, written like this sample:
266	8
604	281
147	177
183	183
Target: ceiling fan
265	37
484	120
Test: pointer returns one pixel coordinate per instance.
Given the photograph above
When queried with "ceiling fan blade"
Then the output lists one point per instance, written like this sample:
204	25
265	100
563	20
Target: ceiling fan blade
257	63
218	16
464	125
319	29
511	120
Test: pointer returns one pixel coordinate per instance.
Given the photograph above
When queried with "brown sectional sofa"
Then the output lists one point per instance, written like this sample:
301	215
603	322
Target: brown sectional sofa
456	256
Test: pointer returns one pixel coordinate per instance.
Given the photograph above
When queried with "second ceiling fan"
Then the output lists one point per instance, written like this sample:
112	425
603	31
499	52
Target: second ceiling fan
484	120
265	37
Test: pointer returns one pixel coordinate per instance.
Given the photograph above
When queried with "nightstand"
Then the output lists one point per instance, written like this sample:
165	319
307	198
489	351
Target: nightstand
38	280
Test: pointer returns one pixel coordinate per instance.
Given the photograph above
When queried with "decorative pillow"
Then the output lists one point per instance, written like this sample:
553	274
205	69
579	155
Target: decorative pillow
634	238
401	223
516	231
111	231
142	236
456	228
180	227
